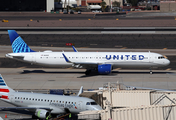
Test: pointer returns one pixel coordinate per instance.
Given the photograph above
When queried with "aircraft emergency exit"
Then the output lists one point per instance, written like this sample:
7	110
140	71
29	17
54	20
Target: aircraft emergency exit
103	62
44	105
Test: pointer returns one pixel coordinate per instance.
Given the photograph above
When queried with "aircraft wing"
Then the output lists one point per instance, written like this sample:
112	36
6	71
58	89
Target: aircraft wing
85	64
82	64
24	108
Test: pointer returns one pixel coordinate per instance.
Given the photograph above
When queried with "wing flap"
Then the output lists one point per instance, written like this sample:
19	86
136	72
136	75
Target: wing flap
24	108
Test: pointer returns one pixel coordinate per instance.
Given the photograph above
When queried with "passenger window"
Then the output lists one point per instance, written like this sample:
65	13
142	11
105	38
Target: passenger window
48	100
38	99
29	98
63	102
41	99
60	101
15	97
18	97
51	100
35	99
26	98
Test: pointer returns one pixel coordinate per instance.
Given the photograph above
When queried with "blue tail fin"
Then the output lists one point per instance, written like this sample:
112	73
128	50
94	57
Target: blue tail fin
18	45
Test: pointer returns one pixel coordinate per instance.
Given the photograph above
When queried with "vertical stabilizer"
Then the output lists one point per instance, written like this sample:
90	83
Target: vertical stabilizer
18	44
80	91
4	89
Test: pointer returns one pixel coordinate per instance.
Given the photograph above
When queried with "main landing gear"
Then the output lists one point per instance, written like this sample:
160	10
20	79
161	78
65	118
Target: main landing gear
88	72
151	71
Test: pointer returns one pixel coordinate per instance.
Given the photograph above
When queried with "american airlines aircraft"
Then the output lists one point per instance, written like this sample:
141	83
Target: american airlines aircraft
103	62
44	105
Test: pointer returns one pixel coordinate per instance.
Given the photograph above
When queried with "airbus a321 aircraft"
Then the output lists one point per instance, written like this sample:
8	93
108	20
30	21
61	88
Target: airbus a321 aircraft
103	62
44	105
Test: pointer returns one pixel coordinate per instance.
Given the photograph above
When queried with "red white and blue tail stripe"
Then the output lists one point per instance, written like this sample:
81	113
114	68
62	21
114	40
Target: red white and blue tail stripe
4	89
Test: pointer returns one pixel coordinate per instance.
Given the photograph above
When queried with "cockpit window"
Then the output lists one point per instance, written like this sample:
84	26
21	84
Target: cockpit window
160	57
88	103
93	103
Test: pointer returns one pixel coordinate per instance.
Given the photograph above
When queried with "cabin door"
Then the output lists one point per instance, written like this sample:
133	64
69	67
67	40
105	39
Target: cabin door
80	105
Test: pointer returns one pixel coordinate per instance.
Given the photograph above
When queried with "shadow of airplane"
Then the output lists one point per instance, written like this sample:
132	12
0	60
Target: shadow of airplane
94	73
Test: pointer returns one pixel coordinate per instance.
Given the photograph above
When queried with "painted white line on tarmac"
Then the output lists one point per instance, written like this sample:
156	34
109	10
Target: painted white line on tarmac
128	32
93	32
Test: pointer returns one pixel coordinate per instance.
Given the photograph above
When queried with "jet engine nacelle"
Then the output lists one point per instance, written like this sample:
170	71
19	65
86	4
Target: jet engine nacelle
40	113
104	68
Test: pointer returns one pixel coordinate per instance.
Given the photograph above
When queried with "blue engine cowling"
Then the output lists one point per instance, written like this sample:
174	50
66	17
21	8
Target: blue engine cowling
104	69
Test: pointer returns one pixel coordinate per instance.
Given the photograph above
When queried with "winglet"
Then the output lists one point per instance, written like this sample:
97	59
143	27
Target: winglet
75	50
80	91
66	59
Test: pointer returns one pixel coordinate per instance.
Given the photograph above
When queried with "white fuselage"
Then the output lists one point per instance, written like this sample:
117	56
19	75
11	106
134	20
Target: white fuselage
116	59
57	103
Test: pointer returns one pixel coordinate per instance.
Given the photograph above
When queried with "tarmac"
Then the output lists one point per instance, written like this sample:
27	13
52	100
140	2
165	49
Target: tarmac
39	19
38	78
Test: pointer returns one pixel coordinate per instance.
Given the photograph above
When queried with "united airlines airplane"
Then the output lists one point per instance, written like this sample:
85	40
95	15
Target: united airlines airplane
103	62
44	105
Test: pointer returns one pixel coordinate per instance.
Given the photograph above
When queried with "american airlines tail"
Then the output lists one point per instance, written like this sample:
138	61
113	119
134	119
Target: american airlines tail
18	44
4	90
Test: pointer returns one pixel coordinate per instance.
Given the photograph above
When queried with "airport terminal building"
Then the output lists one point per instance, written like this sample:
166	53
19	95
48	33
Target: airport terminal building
27	5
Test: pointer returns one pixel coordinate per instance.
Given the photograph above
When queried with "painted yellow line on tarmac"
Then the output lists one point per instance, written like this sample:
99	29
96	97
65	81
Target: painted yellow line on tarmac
31	20
117	19
60	19
168	69
5	21
89	19
117	69
21	67
164	56
164	48
124	48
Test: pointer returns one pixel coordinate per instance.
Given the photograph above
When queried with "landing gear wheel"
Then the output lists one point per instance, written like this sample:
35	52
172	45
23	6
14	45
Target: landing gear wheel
87	72
151	71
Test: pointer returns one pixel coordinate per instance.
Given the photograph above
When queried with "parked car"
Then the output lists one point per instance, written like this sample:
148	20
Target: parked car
79	12
71	12
65	12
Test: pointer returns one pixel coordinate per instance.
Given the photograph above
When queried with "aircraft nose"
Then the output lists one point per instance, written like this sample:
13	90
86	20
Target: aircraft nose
167	62
97	108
